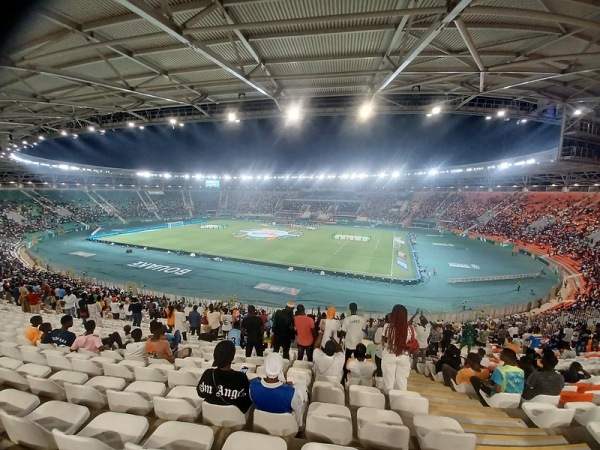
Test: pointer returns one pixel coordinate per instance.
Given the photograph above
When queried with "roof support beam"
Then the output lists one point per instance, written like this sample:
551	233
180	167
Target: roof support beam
466	36
434	30
169	27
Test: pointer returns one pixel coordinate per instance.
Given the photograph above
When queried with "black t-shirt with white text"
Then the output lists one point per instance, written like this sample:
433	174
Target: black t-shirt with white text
225	387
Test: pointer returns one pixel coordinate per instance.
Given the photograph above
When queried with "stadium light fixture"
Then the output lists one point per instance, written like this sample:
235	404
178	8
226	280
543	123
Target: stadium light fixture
181	124
365	111
501	113
167	175
24	142
231	117
436	110
523	120
577	112
172	121
141	127
504	165
237	120
91	128
293	114
429	114
488	117
433	172
40	137
63	133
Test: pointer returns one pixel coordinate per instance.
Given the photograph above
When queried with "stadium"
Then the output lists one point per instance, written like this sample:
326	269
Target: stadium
442	155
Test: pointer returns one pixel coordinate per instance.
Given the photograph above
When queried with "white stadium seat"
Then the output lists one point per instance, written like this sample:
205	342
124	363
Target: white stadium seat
178	435
223	416
326	422
284	425
243	439
381	429
442	433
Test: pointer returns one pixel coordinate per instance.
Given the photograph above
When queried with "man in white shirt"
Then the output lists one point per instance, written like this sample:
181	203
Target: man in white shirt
361	369
422	330
353	331
115	307
513	329
70	300
137	348
328	363
567	333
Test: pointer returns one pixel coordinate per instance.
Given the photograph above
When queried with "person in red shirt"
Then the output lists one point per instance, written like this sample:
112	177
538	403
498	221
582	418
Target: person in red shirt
305	327
34	301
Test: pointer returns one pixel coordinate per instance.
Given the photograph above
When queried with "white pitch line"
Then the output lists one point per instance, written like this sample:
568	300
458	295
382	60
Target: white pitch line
392	265
377	245
336	252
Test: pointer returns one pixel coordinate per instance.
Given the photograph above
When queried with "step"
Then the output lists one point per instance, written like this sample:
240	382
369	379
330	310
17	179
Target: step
481	420
450	409
539	447
515	441
511	430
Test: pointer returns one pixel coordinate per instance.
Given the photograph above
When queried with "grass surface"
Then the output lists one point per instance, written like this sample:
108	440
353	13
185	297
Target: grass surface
313	248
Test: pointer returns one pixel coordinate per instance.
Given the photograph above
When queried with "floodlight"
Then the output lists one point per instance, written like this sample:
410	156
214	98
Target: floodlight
501	113
293	113
504	165
436	110
74	136
181	124
172	121
365	110
396	174
429	114
24	142
166	175
237	120
91	128
523	120
131	124
488	117
141	127
186	176
40	137
231	117
577	112
143	174
433	172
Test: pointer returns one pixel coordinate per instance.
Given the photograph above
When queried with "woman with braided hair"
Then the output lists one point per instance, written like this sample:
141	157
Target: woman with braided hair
396	360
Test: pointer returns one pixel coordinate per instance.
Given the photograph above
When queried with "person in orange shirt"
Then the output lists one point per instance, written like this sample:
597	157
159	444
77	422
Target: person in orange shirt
510	344
170	317
472	369
33	333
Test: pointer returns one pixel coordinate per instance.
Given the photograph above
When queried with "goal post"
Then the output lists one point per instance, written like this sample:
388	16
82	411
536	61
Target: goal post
175	224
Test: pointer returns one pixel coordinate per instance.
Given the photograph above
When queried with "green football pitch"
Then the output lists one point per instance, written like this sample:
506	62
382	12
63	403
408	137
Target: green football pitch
300	248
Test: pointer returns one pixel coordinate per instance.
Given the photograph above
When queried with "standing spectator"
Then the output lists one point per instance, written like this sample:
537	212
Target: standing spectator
422	330
305	327
83	307
435	337
115	307
214	320
468	337
227	322
353	330
396	361
170	311
70	301
253	328
283	329
223	385
33	298
194	318
330	326
379	352
180	322
136	312
447	336
235	335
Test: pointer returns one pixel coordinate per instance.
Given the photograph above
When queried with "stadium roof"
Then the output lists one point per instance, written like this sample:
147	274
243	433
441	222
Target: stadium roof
79	63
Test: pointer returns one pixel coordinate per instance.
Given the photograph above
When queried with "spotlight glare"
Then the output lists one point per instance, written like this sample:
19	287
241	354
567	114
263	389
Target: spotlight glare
237	120
131	124
501	113
365	110
63	133
523	120
436	110
24	142
172	121
91	128
40	137
577	112
142	127
488	117
231	117
293	114
429	114
181	124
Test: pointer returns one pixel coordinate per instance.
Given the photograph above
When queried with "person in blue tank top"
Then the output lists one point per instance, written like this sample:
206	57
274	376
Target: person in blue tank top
274	395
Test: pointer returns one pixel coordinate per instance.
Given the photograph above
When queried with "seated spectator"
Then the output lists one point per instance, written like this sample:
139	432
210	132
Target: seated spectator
61	337
360	368
126	335
575	373
45	328
223	385
329	361
527	364
137	348
484	361
235	335
545	381
274	396
158	346
33	333
507	378
512	345
89	341
567	352
451	357
472	369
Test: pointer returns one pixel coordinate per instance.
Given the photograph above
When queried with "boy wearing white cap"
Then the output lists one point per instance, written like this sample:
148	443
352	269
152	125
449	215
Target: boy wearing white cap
275	396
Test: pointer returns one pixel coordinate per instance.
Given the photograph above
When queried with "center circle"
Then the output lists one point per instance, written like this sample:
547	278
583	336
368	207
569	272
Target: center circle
267	233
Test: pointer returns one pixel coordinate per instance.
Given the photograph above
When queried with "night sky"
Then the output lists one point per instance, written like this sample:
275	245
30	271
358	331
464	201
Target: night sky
335	144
